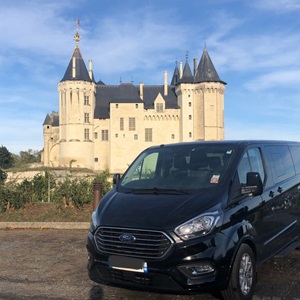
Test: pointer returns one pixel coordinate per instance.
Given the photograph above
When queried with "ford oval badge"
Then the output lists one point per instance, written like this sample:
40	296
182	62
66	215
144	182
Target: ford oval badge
127	238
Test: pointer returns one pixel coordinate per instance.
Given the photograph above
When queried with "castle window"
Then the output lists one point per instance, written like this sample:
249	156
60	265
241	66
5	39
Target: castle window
117	105
96	159
86	118
148	134
104	135
86	134
136	137
190	134
95	135
116	135
131	124
121	123
136	106
190	117
172	136
190	104
86	100
159	107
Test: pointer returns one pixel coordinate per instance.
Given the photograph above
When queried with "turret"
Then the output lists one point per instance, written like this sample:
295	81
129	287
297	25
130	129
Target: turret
76	108
201	98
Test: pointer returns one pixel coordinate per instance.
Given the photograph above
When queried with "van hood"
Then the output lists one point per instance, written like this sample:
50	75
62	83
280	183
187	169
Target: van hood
153	211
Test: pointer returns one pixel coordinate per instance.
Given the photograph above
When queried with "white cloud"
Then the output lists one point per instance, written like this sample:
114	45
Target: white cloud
279	6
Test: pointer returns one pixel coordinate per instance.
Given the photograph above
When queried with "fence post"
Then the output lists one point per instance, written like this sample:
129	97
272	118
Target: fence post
97	194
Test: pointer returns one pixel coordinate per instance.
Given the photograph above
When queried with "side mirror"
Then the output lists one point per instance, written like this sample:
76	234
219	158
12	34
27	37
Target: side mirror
254	185
116	178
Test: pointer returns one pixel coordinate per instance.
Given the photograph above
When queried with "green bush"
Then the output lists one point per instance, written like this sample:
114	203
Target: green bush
69	190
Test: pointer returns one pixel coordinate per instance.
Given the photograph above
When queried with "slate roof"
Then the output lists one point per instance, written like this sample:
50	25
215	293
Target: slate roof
206	71
52	119
187	76
176	76
81	70
129	93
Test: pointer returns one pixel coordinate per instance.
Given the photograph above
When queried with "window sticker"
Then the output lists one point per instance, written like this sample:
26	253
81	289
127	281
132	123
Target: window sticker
215	179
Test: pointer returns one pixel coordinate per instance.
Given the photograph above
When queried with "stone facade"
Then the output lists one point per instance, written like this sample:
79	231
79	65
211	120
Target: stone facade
101	126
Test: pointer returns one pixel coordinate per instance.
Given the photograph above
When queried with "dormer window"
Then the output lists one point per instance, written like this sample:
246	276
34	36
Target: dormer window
159	107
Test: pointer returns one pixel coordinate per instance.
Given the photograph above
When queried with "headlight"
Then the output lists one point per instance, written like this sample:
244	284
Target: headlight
198	226
93	224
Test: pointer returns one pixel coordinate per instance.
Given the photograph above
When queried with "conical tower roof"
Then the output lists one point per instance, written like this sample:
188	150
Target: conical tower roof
81	72
187	76
206	71
76	69
176	76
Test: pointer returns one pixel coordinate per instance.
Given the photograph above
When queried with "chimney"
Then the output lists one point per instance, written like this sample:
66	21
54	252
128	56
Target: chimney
180	70
165	83
195	66
142	90
91	69
73	67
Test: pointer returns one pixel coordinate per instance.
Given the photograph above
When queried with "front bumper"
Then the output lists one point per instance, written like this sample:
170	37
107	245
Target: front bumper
175	272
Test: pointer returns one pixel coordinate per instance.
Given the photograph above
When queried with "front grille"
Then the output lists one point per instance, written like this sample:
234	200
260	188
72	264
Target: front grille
146	243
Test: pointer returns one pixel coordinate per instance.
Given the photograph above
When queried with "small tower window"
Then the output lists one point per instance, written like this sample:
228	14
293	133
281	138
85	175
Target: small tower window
190	134
190	104
104	134
136	106
86	134
190	117
86	118
86	100
121	123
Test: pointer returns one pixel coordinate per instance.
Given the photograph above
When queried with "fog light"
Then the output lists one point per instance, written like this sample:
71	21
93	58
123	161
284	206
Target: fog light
195	270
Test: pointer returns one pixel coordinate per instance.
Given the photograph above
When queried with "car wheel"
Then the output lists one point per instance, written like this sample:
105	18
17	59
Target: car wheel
243	276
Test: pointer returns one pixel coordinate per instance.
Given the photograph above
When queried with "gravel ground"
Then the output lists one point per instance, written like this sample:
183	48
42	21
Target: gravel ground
51	264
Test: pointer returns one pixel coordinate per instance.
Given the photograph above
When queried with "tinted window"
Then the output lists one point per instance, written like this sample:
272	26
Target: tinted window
281	162
295	151
251	162
181	166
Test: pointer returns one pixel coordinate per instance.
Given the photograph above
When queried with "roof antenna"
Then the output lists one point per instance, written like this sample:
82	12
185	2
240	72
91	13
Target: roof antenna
77	36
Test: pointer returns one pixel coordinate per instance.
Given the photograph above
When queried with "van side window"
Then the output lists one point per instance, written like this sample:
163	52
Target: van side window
295	151
251	162
281	162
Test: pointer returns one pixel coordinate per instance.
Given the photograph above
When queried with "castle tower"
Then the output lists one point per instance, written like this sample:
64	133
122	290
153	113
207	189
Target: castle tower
201	98
76	112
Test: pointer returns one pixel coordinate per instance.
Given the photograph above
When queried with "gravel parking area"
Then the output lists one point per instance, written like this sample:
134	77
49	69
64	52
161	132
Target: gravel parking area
51	264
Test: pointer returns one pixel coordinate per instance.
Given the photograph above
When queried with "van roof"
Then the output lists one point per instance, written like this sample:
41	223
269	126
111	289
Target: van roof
243	143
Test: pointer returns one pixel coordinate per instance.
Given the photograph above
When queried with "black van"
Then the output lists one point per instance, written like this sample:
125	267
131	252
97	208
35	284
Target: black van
198	216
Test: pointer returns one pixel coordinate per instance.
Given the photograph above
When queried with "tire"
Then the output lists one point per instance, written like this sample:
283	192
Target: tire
243	276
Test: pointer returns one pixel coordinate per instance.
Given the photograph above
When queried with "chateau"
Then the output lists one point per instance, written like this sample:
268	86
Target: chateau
101	126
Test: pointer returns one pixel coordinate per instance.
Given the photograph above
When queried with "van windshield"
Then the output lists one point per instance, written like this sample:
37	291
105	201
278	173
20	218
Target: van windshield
178	168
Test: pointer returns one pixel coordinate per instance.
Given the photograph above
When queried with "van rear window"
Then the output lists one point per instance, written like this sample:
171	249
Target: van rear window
295	151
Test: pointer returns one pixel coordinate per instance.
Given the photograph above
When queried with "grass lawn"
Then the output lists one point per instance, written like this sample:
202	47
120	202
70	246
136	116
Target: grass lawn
48	212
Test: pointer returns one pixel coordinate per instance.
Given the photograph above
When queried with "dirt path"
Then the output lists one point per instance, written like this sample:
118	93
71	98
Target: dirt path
51	264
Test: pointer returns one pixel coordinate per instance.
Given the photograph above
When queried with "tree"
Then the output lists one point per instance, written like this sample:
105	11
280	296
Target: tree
2	176
6	159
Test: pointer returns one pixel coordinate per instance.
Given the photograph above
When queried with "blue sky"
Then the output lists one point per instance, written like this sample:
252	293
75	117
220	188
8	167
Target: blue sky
254	45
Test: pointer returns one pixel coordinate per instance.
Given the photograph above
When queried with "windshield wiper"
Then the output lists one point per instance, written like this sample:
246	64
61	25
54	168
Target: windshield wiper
159	191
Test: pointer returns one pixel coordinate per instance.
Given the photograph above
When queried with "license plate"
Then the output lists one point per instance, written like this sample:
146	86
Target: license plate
128	264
